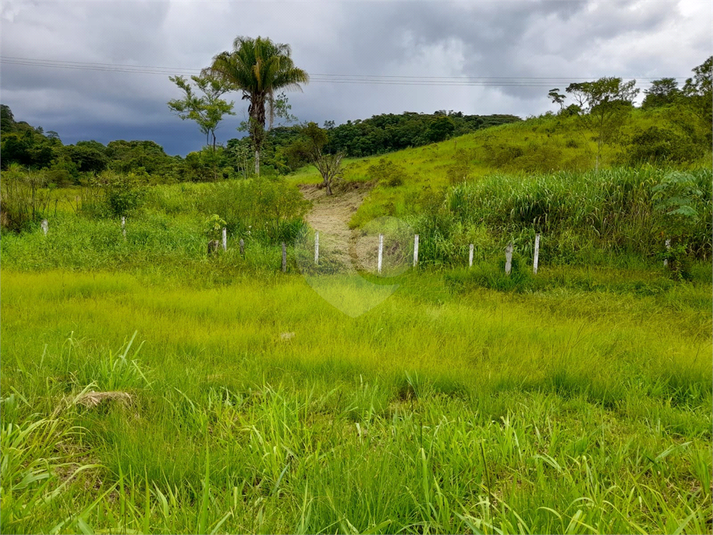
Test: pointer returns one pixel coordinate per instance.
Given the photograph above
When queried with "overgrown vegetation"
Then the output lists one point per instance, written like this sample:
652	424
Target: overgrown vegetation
583	217
149	386
569	410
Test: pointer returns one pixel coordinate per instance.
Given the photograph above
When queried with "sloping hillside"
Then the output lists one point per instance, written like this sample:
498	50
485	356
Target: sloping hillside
404	182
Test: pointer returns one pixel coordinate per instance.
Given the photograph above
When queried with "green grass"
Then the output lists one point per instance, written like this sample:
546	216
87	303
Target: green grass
149	387
583	405
542	145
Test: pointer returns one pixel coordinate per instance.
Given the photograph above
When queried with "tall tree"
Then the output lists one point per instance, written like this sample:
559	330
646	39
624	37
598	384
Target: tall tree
606	104
556	97
258	68
7	120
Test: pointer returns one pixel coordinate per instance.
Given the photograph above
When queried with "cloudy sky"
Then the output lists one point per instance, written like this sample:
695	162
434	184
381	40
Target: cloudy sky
99	69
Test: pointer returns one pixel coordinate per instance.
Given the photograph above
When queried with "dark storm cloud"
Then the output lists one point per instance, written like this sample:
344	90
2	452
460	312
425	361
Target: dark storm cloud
572	40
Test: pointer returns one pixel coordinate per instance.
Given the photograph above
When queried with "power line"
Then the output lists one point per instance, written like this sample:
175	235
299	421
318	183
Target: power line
473	81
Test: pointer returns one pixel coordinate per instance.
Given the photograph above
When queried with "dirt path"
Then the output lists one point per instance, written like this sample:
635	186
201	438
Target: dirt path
330	216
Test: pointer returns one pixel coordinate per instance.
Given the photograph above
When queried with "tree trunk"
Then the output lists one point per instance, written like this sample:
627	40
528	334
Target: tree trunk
329	187
256	111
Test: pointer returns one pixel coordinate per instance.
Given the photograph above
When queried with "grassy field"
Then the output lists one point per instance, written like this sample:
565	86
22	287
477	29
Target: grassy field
151	387
583	406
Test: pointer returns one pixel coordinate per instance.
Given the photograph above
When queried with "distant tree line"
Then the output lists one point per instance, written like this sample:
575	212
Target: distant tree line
285	148
391	132
34	149
603	105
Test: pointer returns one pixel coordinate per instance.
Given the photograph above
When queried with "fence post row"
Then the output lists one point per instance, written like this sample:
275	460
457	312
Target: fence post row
415	250
508	253
508	258
316	247
381	252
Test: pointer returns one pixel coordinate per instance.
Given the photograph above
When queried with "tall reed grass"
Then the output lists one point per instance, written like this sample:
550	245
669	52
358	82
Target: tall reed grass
583	217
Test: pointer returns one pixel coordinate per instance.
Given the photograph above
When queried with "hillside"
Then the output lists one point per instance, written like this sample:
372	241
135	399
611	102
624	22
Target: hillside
402	182
507	183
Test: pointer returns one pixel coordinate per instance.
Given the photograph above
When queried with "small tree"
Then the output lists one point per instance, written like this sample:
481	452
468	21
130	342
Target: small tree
661	93
328	165
207	110
557	98
605	104
676	198
699	94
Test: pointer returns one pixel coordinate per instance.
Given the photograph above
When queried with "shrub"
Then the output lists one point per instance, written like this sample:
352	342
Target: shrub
387	173
268	210
662	145
114	194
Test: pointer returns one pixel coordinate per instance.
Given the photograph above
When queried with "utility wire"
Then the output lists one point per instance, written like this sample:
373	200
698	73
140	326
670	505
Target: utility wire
482	81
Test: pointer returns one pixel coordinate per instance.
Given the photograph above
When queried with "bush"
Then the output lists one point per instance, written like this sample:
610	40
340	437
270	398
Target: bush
268	210
662	145
387	173
114	194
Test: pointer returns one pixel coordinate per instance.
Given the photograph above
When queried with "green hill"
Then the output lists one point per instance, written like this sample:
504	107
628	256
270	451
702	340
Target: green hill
539	176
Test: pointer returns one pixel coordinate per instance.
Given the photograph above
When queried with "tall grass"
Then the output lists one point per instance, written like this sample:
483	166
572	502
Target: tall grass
570	410
582	216
167	233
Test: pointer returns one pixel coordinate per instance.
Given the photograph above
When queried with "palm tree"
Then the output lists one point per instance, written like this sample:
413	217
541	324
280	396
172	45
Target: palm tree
258	68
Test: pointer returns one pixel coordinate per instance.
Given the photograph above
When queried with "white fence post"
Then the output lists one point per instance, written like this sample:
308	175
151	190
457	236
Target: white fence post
123	226
242	247
381	252
225	239
45	226
536	259
508	258
665	260
415	250
316	247
470	255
